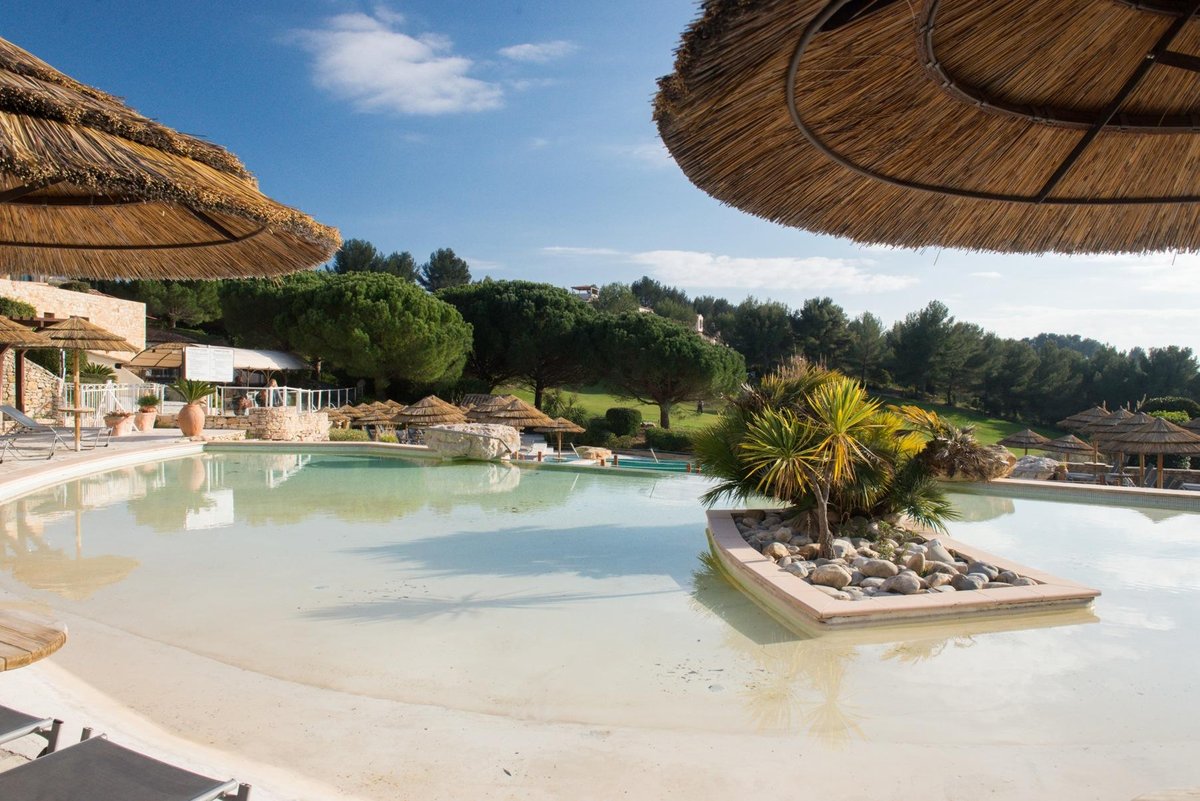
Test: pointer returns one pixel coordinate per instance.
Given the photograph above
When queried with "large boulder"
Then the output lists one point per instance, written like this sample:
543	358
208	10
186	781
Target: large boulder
477	441
1036	467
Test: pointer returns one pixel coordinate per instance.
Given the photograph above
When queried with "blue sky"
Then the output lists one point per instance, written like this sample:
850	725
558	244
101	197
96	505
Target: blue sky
519	133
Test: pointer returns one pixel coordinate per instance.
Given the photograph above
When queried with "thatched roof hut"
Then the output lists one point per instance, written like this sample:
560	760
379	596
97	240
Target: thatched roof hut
1025	440
516	413
430	411
1069	444
1081	420
1043	125
90	188
1158	437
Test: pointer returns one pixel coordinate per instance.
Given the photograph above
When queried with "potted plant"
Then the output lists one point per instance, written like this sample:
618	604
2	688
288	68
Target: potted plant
147	412
120	423
190	418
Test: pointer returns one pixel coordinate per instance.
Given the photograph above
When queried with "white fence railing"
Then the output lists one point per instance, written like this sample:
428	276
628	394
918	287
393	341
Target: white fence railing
106	398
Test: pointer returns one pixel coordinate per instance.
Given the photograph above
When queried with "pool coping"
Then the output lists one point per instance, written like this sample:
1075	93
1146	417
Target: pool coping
799	603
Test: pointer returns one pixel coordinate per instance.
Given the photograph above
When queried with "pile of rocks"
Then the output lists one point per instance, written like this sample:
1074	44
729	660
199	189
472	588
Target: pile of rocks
885	562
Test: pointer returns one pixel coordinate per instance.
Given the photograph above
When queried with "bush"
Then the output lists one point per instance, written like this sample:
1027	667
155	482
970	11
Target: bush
666	440
17	309
624	422
347	435
596	432
556	403
76	286
1178	418
1171	403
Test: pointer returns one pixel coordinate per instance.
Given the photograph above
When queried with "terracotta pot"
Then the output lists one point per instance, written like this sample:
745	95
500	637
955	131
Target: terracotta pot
190	419
121	424
146	418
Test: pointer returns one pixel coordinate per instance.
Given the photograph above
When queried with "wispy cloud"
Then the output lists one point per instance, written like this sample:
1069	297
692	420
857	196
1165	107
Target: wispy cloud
691	269
539	52
363	58
987	274
650	154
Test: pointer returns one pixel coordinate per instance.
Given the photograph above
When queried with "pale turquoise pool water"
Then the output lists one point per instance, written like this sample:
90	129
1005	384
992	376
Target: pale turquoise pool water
582	596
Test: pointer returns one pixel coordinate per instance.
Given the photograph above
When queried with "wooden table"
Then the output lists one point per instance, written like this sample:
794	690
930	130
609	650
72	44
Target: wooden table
26	637
76	411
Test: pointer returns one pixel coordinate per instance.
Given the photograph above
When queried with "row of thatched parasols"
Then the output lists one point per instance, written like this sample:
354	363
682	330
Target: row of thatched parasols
1120	432
72	333
431	410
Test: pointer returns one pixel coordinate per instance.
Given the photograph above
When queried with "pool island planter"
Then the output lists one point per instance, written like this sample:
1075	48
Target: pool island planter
800	604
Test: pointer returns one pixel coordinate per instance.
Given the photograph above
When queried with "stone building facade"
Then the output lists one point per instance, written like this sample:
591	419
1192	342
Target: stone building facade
124	317
42	389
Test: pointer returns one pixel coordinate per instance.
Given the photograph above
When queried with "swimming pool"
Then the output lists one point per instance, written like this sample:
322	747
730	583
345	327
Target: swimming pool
346	586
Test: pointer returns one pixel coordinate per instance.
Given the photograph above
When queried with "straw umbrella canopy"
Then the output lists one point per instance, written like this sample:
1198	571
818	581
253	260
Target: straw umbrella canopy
1159	437
1069	444
1043	125
1025	440
480	408
15	335
560	426
1081	420
430	411
516	413
77	334
90	188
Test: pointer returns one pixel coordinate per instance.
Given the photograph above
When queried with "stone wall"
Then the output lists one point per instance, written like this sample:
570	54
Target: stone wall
124	317
286	424
42	389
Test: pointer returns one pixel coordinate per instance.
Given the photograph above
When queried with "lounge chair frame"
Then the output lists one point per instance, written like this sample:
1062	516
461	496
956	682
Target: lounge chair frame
15	725
28	428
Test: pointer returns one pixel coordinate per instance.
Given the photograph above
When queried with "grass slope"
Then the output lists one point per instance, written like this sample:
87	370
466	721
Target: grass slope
988	430
596	402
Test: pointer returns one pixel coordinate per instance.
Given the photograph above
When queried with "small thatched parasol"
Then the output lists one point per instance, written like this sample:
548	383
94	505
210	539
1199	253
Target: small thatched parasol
430	411
1042	125
1069	444
1081	420
560	426
77	334
480	406
516	413
15	335
1159	437
91	188
1025	440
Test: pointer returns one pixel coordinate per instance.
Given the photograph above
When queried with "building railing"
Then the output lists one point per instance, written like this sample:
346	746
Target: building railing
109	398
229	399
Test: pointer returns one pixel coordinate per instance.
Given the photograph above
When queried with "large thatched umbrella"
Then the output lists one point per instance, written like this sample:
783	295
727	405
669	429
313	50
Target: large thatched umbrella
430	411
15	335
1068	445
91	188
1027	439
1081	420
1159	437
560	426
480	406
1041	125
77	334
516	413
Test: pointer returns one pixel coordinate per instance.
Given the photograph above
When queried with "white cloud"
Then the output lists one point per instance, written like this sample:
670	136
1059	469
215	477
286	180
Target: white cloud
538	142
987	274
690	269
362	58
651	154
686	268
539	52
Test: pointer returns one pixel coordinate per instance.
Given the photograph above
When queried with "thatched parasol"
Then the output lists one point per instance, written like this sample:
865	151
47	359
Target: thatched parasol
1081	420
560	426
15	335
516	413
77	334
1025	440
1043	125
430	411
1159	437
91	188
480	406
1069	444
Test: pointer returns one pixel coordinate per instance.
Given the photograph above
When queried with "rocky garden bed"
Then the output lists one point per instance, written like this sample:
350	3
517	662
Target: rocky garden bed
873	559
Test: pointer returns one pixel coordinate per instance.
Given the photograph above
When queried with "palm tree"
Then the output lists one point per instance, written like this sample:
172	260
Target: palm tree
816	451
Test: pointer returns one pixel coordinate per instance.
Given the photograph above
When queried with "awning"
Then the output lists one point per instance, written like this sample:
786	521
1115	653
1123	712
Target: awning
168	355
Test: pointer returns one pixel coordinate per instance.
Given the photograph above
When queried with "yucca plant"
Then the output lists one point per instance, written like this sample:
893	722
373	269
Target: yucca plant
193	391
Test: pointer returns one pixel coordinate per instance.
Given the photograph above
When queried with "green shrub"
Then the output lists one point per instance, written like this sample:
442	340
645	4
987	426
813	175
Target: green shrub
392	438
347	435
17	309
1178	418
557	403
1171	403
624	422
76	286
665	440
596	432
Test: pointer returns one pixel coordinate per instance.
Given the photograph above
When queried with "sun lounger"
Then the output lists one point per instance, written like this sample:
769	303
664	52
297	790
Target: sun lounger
1190	487
14	725
29	430
98	769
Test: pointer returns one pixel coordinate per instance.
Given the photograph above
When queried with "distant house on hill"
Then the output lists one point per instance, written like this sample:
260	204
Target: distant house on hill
588	293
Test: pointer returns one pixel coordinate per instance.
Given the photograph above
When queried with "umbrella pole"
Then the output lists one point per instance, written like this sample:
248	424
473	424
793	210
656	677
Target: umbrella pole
78	356
559	446
1141	469
1160	471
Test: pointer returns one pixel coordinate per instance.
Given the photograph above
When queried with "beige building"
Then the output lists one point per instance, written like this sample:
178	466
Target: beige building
124	317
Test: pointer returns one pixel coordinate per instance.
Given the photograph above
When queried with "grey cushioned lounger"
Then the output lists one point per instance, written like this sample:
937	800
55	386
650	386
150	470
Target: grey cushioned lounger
14	724
98	769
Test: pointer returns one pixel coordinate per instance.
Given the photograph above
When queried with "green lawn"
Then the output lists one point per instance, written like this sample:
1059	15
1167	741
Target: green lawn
684	418
596	403
988	430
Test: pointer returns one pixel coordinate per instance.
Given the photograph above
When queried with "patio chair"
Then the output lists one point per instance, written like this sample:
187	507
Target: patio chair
28	428
99	769
14	725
